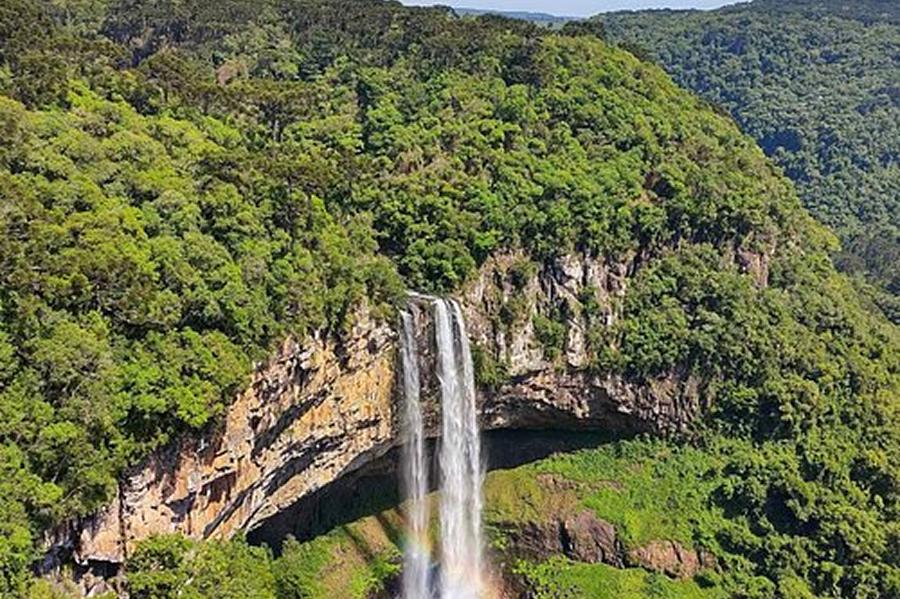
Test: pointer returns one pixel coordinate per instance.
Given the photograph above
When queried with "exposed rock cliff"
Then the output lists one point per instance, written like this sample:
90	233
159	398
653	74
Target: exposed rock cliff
322	408
316	410
551	386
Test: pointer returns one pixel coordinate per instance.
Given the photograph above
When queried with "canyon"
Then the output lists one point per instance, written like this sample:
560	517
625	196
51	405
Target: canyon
325	407
215	215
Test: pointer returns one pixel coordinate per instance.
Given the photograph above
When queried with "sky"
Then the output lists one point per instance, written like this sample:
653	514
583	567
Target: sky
574	8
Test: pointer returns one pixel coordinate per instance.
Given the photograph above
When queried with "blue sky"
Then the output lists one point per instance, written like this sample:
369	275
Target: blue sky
576	8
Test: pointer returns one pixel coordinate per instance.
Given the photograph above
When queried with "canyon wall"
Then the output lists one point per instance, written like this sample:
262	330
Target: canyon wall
321	408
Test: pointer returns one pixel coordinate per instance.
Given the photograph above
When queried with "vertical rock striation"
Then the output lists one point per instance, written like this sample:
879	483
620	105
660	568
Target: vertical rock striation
317	410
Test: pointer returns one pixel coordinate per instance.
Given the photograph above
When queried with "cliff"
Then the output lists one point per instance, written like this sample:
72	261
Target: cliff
322	408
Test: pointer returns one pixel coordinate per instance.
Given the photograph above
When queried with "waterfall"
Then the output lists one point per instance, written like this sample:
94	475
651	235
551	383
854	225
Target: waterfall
461	476
460	458
416	557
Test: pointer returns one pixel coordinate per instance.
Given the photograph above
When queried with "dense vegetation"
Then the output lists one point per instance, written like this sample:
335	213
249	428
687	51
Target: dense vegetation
816	83
182	183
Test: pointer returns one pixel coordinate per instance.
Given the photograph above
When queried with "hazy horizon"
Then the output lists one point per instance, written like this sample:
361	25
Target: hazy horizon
573	8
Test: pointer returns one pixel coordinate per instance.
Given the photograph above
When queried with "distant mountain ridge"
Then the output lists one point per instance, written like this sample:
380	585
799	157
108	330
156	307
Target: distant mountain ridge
862	10
539	18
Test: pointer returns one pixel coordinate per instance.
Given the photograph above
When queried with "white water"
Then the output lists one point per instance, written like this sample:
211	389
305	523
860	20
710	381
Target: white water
460	462
416	557
460	458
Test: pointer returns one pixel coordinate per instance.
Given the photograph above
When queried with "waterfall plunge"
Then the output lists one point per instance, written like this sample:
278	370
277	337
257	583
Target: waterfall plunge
460	458
460	462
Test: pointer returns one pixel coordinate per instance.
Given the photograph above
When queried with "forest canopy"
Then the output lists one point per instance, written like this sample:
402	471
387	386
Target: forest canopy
817	84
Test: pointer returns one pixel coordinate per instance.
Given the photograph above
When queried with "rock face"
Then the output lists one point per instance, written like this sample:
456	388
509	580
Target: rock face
584	537
322	408
317	410
504	308
581	537
671	559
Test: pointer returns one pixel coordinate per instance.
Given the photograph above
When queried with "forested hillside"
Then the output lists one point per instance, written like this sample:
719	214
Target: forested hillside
817	84
185	183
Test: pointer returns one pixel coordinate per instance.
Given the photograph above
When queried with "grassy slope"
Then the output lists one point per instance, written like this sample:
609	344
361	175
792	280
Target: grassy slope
649	490
350	561
563	578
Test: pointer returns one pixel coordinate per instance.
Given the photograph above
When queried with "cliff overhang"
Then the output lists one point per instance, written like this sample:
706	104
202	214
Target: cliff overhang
323	408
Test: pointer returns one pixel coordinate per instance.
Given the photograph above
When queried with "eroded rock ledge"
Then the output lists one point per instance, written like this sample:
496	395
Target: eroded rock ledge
583	537
322	408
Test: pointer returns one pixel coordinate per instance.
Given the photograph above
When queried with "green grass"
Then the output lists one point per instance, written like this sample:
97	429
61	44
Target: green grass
650	490
351	561
516	496
560	578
